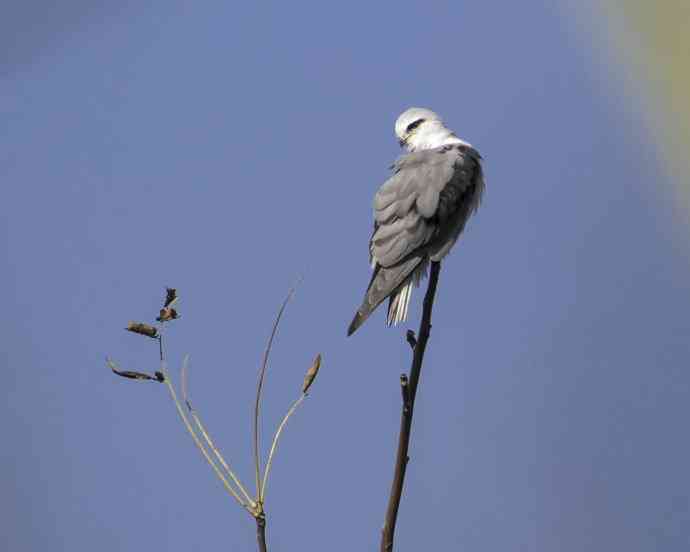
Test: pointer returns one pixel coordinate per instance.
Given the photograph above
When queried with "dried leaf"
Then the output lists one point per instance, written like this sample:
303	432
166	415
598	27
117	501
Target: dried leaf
167	314
134	375
142	329
170	296
310	376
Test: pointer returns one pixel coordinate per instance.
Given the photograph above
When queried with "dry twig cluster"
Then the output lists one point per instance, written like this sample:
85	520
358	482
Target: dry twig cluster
253	504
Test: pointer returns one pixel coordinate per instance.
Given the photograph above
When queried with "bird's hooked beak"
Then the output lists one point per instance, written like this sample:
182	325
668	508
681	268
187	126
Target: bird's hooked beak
402	142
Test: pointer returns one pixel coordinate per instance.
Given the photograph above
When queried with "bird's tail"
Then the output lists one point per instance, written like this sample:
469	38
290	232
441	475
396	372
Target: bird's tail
400	299
396	282
398	303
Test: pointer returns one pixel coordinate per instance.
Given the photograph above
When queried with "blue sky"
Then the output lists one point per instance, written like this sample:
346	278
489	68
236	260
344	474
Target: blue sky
226	149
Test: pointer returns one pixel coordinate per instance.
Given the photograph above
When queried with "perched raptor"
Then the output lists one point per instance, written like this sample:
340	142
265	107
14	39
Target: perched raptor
420	211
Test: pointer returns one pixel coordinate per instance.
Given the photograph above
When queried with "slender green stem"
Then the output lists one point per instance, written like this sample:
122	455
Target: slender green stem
219	457
193	434
198	443
274	445
259	388
202	429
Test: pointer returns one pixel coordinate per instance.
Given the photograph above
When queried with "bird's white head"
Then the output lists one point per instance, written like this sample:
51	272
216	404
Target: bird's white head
418	128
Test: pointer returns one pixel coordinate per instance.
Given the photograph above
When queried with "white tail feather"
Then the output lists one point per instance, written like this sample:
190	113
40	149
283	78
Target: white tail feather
397	311
400	301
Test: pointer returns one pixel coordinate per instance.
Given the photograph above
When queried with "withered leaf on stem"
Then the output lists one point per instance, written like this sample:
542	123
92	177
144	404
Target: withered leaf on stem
310	376
142	329
135	375
170	296
130	374
167	314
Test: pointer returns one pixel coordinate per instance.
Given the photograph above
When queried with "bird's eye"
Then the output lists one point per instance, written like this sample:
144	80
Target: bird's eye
414	125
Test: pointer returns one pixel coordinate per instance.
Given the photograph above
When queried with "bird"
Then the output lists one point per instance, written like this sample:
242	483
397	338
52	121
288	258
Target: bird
419	211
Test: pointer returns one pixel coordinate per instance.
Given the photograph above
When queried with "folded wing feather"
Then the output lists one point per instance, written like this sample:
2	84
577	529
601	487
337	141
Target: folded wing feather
418	214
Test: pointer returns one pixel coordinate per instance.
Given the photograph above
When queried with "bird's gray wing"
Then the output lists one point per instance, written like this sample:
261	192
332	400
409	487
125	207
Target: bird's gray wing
405	205
416	212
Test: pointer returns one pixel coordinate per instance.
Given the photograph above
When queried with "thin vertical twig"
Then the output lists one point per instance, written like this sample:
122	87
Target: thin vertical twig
261	531
409	392
259	388
274	445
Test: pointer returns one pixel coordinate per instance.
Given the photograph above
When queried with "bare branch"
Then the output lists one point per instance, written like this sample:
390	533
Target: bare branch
261	531
193	422
409	391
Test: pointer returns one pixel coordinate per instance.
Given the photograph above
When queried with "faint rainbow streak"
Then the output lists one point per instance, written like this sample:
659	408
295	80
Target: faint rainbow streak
649	43
653	39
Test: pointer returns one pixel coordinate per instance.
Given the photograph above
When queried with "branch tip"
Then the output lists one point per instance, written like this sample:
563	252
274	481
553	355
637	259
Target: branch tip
310	376
405	390
411	339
